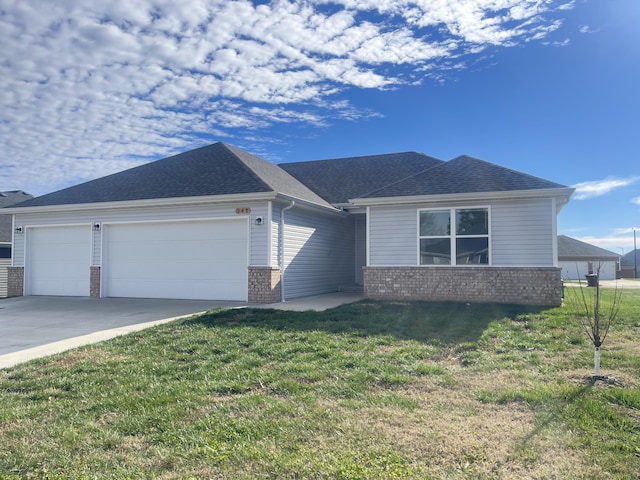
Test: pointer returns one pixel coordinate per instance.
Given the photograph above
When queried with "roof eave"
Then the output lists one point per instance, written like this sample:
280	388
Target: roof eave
561	194
152	202
172	201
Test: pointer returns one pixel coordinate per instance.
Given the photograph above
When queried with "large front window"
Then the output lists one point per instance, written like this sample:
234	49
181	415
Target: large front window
454	236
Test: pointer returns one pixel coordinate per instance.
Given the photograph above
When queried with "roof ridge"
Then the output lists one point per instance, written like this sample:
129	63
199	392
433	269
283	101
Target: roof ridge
406	178
230	148
279	185
358	157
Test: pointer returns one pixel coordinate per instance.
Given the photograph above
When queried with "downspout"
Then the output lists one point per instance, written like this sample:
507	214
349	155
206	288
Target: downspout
288	207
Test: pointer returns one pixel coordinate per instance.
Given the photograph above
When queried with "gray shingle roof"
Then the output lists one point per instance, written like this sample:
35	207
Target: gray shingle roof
570	248
628	259
463	174
339	179
221	169
217	169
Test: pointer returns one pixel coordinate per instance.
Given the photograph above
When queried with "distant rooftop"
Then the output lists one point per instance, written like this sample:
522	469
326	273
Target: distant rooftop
572	249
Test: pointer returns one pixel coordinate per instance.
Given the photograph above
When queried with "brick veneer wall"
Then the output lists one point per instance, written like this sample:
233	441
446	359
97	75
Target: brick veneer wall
264	285
524	285
15	280
94	282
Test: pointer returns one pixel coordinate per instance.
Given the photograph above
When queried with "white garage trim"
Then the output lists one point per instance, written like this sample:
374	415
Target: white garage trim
190	259
57	260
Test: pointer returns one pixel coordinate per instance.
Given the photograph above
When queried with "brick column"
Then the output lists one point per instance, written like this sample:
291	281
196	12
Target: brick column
15	287
94	282
264	285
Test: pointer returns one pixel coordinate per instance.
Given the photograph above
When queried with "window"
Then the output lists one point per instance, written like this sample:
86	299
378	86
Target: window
467	243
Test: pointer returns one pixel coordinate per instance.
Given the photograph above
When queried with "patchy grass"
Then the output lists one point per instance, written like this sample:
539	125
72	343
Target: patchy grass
371	390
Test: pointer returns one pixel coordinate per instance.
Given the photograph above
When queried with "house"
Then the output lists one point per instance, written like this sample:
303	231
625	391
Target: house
6	228
219	223
629	263
578	259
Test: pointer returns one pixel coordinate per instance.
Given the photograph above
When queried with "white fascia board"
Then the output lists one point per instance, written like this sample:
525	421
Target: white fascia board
562	194
152	202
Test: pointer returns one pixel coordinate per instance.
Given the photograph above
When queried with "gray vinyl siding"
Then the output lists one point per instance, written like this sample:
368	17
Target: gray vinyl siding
318	253
17	250
393	236
275	237
259	251
96	247
521	233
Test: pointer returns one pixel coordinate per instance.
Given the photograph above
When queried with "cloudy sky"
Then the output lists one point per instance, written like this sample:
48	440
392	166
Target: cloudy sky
549	87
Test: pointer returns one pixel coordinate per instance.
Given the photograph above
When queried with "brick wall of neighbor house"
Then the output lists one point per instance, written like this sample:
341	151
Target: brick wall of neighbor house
264	285
15	286
516	285
94	282
5	263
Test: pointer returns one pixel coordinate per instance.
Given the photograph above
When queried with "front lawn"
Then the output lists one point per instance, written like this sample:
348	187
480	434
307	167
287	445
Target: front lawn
373	390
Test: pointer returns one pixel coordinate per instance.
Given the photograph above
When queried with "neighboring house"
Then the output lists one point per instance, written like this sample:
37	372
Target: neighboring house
220	223
6	229
629	263
578	259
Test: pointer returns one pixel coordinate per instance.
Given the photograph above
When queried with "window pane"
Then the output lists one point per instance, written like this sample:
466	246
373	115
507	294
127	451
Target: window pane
472	222
435	251
471	251
435	223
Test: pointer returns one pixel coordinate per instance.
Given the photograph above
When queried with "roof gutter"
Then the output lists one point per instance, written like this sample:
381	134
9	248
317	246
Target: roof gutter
160	202
151	202
562	194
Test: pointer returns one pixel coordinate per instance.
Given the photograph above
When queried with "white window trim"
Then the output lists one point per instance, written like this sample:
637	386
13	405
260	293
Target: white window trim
452	236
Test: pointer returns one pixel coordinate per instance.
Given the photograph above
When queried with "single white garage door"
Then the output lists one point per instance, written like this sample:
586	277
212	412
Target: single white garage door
191	260
58	260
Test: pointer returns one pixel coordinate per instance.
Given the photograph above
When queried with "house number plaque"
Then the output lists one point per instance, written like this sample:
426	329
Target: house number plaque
243	211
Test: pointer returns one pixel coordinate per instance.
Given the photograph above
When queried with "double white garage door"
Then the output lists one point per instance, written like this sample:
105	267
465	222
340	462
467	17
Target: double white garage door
191	260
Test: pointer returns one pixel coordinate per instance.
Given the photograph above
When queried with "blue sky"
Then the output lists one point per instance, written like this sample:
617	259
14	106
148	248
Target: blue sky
548	87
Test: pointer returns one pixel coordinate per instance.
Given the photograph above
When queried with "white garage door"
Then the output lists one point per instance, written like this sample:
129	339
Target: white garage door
58	260
191	260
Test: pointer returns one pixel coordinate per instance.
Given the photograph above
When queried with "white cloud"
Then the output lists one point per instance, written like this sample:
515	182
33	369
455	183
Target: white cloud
619	240
636	200
619	244
89	88
586	190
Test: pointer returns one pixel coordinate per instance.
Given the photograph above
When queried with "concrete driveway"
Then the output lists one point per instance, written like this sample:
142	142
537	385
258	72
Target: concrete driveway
31	327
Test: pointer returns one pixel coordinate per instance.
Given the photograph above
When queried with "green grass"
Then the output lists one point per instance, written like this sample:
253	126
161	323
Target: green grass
373	390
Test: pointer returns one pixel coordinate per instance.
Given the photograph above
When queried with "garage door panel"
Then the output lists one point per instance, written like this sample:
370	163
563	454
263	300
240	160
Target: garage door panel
196	260
58	260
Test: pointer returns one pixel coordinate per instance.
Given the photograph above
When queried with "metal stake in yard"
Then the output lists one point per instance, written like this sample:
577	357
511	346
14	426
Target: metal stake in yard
635	256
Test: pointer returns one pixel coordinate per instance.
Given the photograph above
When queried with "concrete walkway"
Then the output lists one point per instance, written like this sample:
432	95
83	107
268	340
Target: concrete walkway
620	283
35	327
